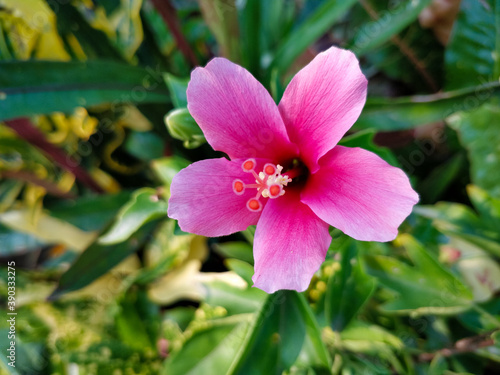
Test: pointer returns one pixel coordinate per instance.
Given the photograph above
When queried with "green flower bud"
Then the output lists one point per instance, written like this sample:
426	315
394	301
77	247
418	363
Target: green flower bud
181	125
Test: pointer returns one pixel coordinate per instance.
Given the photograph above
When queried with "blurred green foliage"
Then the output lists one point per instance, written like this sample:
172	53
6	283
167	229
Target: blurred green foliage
94	126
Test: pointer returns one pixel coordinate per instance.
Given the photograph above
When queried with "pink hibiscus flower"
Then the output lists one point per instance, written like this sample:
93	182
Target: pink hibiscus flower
286	173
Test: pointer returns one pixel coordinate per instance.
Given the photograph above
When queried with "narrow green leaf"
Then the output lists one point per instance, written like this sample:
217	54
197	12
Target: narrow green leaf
166	168
385	114
177	87
436	182
40	87
94	42
348	290
314	353
235	300
251	25
453	217
128	25
9	191
238	250
496	53
89	213
96	260
461	222
211	349
27	355
390	23
370	339
488	244
309	31
144	206
487	206
262	352
438	365
364	139
144	146
243	269
373	334
15	243
284	325
130	323
425	288
221	17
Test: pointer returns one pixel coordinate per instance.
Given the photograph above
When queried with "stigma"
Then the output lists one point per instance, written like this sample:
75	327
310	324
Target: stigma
269	183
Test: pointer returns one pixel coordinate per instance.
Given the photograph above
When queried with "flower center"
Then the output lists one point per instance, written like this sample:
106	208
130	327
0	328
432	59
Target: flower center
269	183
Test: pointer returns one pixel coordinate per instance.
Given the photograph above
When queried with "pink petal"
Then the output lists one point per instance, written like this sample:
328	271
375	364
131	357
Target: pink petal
236	113
290	244
322	102
359	193
203	201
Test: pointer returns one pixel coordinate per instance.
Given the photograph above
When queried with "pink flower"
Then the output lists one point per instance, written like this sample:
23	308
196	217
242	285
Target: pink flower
285	172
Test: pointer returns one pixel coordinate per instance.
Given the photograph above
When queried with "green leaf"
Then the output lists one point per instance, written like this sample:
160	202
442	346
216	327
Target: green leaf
144	146
40	87
436	183
238	250
348	290
427	55
89	213
181	125
9	191
96	260
137	321
144	206
460	221
252	33
364	139
221	17
469	56
480	136
425	288
309	31
177	87
373	34
496	338
480	272
27	355
284	326
47	229
453	217
438	365
14	242
94	42
369	339
375	336
211	349
166	168
489	245
386	114
314	353
233	299
487	206
243	269
128	25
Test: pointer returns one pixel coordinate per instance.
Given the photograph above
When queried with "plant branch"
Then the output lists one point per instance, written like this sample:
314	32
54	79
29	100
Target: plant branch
169	15
26	130
405	50
466	345
50	187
